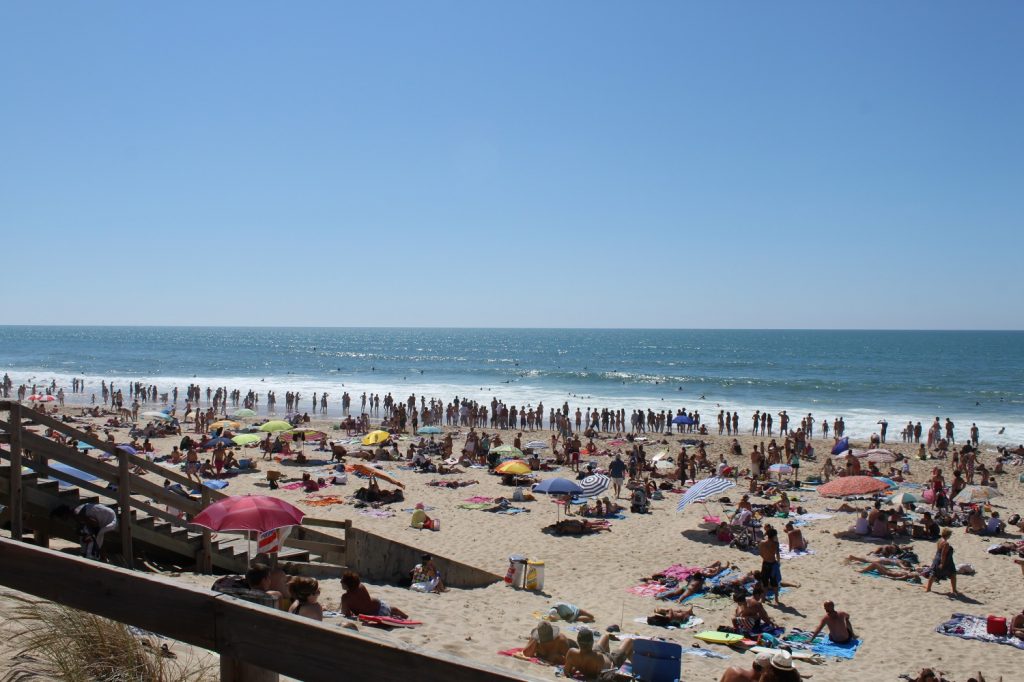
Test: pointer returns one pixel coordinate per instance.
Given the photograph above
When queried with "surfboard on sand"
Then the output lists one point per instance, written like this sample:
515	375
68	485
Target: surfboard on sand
715	637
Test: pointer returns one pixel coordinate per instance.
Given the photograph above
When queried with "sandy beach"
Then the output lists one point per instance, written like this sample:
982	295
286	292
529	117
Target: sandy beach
895	619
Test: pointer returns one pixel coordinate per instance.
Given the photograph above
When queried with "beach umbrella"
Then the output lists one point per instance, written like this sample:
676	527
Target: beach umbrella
507	451
780	469
275	426
594	485
682	419
664	465
368	470
41	398
888	481
376	437
558	486
904	498
246	439
429	430
214	442
153	414
703	489
976	493
879	456
536	445
244	413
225	424
851	485
513	466
842	445
259	513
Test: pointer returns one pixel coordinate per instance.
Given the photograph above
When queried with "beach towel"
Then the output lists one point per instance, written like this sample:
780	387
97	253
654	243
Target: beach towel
426	508
786	553
691	622
377	513
509	510
479	498
388	621
647	589
822	645
518	653
215	484
323	501
966	626
475	505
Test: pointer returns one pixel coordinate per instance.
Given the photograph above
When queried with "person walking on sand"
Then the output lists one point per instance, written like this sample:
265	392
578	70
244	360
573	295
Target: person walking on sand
617	472
943	565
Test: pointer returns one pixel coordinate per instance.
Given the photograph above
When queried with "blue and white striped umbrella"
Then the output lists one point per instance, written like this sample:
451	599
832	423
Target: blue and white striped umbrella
594	485
703	489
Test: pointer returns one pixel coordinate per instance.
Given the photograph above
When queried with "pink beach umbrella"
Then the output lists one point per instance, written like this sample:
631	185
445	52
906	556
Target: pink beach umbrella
258	513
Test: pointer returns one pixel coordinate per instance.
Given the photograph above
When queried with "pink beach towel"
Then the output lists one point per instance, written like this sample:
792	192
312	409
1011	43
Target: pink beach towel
518	653
478	499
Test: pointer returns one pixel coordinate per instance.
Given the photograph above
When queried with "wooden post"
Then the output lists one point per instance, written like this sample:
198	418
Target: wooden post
17	519
42	467
206	565
124	500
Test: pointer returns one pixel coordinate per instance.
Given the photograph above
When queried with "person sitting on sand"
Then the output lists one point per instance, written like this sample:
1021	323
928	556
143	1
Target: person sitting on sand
797	543
569	612
1017	625
840	630
927	529
426	577
356	600
753	674
304	593
548	644
590	661
750	614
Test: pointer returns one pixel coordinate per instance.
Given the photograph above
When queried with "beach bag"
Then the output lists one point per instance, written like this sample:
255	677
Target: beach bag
996	626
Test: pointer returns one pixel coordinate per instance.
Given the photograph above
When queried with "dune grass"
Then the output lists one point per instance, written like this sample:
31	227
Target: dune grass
56	641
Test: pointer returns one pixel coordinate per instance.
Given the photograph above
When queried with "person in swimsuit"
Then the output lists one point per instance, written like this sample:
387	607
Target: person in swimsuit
357	601
943	565
304	593
569	612
840	631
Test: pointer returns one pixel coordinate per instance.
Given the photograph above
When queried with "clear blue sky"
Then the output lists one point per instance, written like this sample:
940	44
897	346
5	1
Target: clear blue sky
563	164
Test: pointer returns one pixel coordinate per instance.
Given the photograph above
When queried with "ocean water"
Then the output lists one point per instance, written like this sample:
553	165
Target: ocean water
863	376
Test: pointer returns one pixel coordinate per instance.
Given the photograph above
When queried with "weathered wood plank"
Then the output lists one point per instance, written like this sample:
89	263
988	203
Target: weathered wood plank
14	489
326	523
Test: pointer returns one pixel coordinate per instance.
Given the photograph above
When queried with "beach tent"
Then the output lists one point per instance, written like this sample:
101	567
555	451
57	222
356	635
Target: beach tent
842	445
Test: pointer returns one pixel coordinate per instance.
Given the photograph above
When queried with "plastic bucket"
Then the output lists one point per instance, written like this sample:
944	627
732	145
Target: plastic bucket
516	571
435	524
534	575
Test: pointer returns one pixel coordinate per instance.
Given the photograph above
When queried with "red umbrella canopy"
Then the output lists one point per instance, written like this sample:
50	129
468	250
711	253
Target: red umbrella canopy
851	485
249	512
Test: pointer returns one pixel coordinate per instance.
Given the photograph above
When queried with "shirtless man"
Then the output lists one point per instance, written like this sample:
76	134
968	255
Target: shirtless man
750	613
1017	625
771	561
753	674
589	661
356	600
547	644
797	543
840	630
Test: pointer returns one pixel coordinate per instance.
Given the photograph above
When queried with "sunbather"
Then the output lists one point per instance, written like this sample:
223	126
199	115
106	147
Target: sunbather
589	661
548	644
356	600
682	592
840	630
569	612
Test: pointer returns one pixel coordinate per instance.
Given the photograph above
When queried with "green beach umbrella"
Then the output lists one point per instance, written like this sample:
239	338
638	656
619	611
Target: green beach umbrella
275	426
508	451
244	413
246	439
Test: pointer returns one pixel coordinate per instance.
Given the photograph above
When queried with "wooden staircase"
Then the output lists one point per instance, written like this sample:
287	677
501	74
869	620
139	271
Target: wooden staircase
28	484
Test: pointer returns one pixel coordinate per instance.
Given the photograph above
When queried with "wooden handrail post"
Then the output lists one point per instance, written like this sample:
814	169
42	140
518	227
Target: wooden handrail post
124	500
207	562
17	507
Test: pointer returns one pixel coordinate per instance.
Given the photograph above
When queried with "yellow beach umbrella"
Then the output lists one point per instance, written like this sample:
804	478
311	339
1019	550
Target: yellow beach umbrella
275	426
513	466
226	424
375	437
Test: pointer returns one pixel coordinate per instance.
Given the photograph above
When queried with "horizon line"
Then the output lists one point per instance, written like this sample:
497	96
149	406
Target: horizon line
461	327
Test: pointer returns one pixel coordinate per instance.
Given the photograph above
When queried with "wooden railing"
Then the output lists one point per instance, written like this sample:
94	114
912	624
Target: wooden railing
129	487
258	636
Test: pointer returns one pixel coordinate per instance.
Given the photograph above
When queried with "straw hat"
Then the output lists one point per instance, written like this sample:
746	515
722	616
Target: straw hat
783	660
